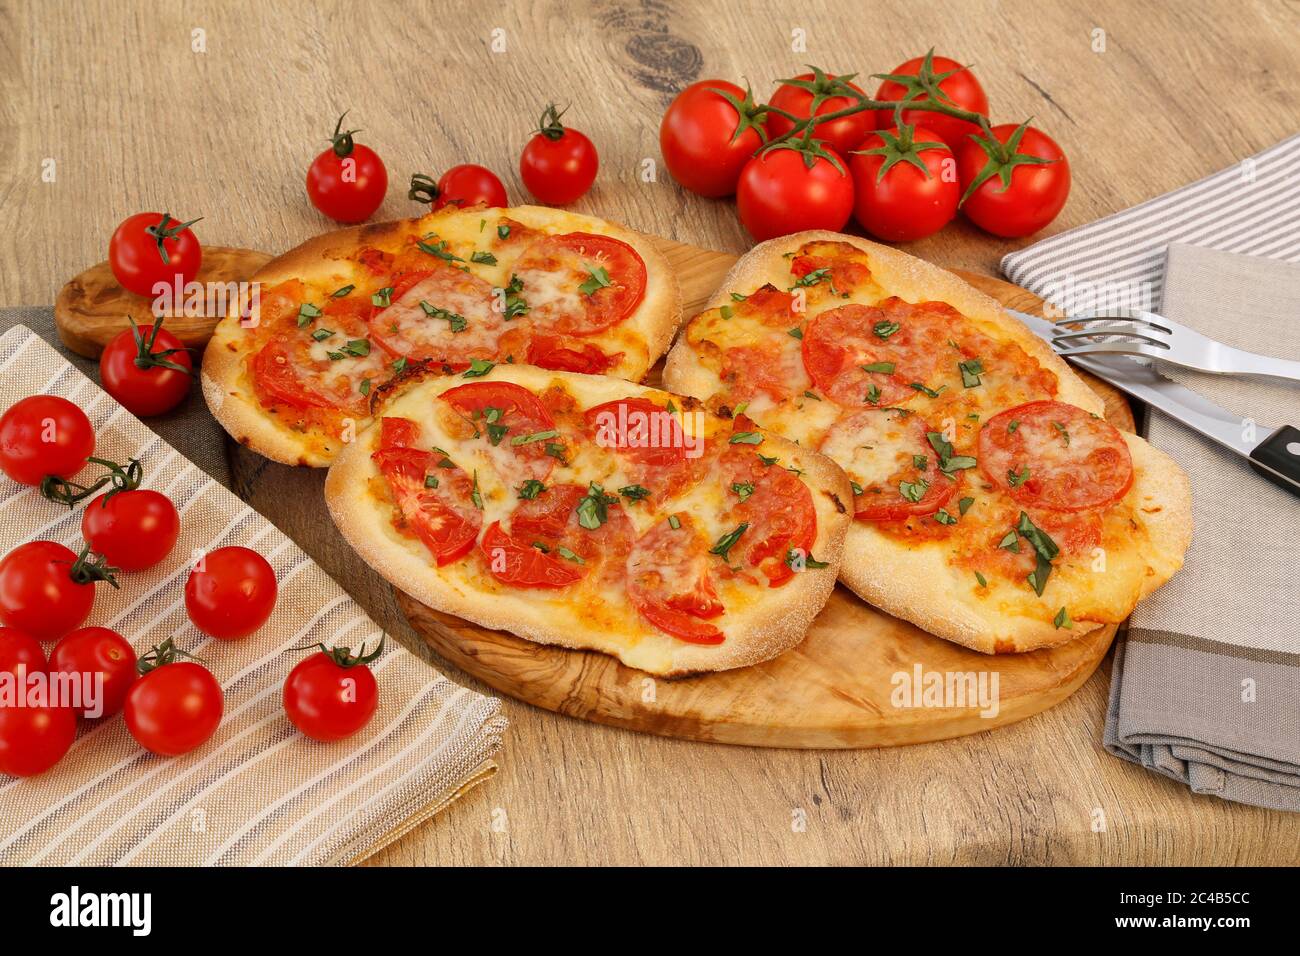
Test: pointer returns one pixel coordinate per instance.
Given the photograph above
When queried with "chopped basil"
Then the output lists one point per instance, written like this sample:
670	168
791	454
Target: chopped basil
307	312
1013	425
1010	542
478	368
980	578
725	311
320	335
593	509
1045	549
948	462
768	462
383	298
857	488
483	258
533	436
913	491
813	395
795	557
503	231
873	394
971	370
886	368
1062	620
474	495
746	438
555	450
737	297
599	280
634	492
728	541
1062	432
884	330
569	555
439	250
933	393
812	278
530	489
365	386
431	481
1015	480
742	488
963	506
496	432
341	292
400	365
456	321
920	462
943	517
670	407
796	333
674	522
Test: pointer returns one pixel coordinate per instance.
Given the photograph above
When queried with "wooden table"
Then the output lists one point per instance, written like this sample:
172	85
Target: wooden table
133	118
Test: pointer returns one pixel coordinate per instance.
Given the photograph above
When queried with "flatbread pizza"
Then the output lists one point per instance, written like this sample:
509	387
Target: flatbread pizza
994	506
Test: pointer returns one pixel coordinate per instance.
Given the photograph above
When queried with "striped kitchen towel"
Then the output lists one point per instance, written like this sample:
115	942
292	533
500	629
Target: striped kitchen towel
1251	208
257	793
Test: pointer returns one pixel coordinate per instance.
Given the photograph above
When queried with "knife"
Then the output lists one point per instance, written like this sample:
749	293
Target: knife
1277	457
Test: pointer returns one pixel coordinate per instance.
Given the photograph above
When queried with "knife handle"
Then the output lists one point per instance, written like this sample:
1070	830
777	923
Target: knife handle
1277	458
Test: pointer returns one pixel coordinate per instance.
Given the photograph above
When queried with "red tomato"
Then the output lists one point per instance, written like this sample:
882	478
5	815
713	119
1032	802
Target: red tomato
44	435
133	529
905	203
780	194
46	590
98	650
558	164
955	80
147	369
231	594
174	707
620	286
670	584
19	647
1013	193
442	514
34	739
347	182
152	247
464	185
894	448
707	135
516	562
331	695
796	96
778	513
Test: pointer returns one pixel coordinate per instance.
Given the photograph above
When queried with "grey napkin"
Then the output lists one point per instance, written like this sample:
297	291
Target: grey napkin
1207	688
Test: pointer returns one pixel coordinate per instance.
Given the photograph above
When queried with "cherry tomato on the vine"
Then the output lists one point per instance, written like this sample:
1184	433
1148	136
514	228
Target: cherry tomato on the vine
464	185
231	594
44	435
347	182
97	650
332	694
785	190
133	529
558	164
34	738
796	96
147	369
926	75
1017	186
152	247
18	647
707	135
175	706
47	590
905	184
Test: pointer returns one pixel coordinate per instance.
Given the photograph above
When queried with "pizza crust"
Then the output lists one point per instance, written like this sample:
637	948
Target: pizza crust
227	387
918	584
777	622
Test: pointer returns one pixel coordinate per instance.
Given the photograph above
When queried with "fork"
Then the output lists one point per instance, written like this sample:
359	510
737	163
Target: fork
1136	332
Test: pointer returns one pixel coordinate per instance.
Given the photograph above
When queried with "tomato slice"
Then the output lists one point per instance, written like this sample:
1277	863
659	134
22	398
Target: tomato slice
443	516
670	584
554	270
518	563
889	457
568	355
549	525
769	305
659	454
849	268
442	315
778	508
1057	456
902	342
771	367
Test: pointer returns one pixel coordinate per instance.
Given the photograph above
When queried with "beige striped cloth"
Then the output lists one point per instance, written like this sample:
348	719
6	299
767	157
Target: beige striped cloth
258	793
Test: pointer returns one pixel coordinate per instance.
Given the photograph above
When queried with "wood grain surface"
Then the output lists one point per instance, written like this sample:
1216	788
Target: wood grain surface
835	690
112	97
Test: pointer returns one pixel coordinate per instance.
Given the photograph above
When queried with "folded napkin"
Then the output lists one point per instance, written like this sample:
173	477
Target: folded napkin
258	792
1206	688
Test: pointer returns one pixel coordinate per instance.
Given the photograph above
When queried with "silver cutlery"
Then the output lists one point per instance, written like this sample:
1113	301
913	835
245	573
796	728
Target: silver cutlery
1135	332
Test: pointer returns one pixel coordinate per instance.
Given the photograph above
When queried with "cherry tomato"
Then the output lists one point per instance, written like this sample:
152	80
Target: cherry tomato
464	185
152	247
147	369
1036	192
796	96
174	707
34	739
46	590
19	647
558	164
955	80
707	135
133	529
332	695
905	203
780	194
97	650
347	182
231	594
44	435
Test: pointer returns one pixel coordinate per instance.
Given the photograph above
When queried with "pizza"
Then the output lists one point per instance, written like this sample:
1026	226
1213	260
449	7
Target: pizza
993	505
589	512
340	315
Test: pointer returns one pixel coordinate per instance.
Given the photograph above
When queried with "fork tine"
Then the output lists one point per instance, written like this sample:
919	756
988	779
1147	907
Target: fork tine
1124	315
1097	334
1071	321
1117	348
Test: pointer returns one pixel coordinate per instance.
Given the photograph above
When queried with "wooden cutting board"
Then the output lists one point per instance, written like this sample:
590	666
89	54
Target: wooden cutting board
837	689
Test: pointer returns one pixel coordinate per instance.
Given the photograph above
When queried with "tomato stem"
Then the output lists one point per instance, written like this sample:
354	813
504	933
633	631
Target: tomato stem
162	654
342	656
160	231
84	570
63	491
342	139
549	125
423	189
146	357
